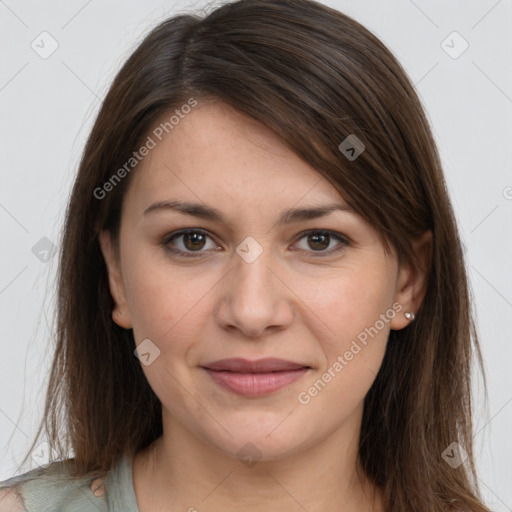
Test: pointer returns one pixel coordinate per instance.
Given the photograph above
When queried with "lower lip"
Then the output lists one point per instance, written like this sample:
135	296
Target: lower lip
255	384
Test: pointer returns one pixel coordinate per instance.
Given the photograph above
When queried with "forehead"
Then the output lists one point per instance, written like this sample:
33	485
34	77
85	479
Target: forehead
219	155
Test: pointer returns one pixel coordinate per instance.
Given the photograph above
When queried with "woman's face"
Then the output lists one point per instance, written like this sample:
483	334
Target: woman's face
253	285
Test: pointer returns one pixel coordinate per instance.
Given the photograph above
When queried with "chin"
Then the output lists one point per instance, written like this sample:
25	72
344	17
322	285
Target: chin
264	441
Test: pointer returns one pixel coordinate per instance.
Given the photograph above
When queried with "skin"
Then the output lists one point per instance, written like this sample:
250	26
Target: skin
293	301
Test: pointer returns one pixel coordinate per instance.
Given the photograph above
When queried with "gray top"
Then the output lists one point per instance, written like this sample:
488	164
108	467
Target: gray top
52	490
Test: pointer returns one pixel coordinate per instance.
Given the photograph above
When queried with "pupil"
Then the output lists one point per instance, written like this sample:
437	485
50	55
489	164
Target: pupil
197	241
194	238
324	238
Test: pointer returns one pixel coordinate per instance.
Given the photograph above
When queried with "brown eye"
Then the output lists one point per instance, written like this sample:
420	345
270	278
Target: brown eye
317	242
322	242
188	243
193	241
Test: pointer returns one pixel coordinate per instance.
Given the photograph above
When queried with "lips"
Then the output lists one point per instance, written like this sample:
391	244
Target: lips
254	378
269	364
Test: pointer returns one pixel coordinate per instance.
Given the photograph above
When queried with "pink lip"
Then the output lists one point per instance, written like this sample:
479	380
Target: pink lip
268	364
254	378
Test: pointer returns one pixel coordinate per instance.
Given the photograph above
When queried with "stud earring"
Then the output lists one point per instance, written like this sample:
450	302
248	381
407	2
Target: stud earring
409	316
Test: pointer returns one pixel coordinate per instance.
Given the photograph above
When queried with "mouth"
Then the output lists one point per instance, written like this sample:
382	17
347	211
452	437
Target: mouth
254	378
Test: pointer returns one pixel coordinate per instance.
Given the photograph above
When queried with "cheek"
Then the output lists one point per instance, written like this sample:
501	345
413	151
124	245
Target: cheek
351	300
353	351
351	304
166	303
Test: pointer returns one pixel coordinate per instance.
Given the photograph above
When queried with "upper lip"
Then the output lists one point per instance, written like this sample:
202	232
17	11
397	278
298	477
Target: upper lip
268	364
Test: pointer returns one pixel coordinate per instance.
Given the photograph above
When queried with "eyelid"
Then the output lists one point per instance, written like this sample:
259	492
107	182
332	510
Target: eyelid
334	234
180	232
340	237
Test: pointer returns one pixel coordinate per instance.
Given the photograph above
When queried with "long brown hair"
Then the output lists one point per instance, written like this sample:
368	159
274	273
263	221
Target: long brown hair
314	76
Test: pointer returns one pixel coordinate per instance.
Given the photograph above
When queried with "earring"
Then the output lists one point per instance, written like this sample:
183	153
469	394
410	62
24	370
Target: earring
409	316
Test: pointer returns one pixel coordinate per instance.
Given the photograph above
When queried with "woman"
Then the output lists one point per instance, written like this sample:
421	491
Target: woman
263	302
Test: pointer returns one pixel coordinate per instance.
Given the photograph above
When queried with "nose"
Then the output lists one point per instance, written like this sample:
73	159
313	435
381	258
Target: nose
255	298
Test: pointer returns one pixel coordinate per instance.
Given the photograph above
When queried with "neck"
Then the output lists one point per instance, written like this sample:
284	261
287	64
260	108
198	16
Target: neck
179	471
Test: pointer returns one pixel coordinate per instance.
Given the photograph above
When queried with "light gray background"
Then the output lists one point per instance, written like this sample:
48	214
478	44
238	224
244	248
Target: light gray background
48	106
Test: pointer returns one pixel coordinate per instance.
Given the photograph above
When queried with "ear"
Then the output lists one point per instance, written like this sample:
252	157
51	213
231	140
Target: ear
412	280
120	314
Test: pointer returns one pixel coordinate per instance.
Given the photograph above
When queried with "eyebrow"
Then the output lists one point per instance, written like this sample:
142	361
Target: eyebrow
290	216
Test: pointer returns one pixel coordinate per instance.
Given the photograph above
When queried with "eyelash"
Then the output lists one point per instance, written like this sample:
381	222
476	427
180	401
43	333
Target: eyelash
197	254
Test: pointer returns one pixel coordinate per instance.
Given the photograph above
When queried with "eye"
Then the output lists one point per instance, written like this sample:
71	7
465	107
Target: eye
189	241
320	240
194	242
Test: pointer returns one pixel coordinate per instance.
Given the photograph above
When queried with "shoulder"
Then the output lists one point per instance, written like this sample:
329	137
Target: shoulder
52	489
10	500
